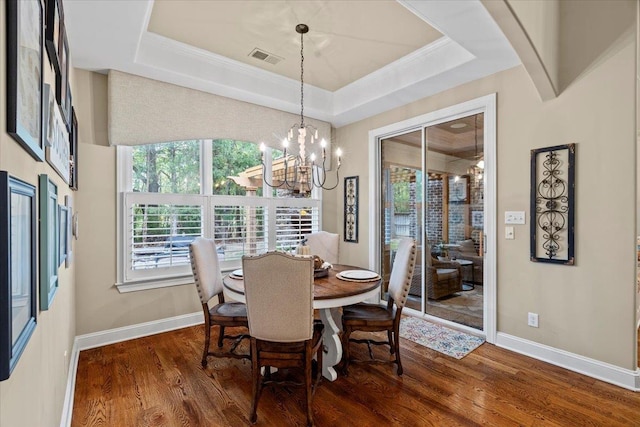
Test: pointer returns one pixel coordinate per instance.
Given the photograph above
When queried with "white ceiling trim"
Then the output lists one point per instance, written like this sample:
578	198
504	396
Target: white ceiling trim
472	48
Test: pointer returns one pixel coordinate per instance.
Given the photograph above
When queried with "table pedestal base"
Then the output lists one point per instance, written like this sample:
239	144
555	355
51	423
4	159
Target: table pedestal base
331	341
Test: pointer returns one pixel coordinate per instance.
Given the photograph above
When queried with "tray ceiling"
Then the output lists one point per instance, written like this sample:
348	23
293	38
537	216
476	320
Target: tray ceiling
361	57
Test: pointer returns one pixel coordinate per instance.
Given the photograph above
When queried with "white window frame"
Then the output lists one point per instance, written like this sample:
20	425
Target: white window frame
129	280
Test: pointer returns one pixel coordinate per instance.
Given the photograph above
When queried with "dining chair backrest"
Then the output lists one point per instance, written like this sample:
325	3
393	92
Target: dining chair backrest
402	271
279	296
325	245
205	267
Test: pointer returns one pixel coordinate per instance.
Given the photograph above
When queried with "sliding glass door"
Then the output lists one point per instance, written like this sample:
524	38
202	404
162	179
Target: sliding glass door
443	209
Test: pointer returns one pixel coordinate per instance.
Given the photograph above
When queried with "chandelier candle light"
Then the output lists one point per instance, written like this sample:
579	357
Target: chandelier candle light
305	172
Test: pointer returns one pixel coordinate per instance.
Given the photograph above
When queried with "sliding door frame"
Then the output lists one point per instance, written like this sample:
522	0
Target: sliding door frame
486	105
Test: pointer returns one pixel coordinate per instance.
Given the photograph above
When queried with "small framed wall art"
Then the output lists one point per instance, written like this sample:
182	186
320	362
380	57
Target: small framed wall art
351	209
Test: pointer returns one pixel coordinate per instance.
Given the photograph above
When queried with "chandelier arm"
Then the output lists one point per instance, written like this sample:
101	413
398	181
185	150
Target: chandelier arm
291	186
337	181
264	177
315	175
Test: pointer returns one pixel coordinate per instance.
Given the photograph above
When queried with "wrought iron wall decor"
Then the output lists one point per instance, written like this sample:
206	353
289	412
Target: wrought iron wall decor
552	204
351	209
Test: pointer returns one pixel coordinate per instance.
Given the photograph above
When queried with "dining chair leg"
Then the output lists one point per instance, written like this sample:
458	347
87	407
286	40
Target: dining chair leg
221	336
319	365
392	347
207	341
308	356
345	350
257	382
396	332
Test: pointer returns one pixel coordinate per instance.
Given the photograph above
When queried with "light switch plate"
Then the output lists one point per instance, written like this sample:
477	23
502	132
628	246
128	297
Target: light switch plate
514	217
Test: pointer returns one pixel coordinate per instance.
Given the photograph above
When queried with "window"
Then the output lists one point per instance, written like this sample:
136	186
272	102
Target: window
173	192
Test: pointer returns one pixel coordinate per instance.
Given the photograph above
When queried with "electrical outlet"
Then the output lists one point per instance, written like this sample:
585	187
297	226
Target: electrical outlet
532	320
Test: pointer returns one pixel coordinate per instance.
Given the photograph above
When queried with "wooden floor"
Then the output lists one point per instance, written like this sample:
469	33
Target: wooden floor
158	381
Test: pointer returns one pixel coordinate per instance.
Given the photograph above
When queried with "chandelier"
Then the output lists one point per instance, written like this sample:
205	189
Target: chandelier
302	172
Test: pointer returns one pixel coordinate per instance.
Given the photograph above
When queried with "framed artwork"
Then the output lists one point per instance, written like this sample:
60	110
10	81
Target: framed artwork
25	42
18	259
58	154
68	231
63	215
48	116
74	225
552	204
62	78
73	155
351	209
48	240
54	19
477	219
458	188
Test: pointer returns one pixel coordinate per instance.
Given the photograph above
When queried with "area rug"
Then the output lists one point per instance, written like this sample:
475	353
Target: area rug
444	340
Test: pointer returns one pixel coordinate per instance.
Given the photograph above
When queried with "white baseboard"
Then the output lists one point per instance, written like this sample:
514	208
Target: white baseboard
111	336
621	377
67	406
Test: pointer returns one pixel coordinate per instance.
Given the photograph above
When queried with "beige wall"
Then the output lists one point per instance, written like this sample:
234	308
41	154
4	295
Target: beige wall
34	393
587	309
99	305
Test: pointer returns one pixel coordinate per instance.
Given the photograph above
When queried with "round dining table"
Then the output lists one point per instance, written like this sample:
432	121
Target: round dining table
329	293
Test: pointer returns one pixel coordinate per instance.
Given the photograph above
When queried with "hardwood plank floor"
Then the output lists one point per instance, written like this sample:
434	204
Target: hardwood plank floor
158	381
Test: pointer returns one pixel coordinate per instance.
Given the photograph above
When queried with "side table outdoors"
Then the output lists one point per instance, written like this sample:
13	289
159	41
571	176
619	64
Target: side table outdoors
466	263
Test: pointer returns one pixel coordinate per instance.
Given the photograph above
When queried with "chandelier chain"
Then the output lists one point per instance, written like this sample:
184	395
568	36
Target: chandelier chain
302	79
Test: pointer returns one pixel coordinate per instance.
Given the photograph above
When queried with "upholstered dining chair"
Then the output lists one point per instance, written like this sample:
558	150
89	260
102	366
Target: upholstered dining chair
208	281
279	295
325	245
374	317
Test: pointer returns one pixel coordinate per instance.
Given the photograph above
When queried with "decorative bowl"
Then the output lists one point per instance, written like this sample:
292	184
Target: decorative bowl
320	272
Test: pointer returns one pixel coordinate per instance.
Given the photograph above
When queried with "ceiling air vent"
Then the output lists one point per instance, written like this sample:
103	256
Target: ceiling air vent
265	56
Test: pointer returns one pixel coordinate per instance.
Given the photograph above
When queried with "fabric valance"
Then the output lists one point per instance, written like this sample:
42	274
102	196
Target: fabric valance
144	111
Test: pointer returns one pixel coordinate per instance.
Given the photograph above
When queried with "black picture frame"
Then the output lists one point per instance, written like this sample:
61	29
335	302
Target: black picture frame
54	20
49	223
73	156
63	92
25	87
351	209
553	204
18	259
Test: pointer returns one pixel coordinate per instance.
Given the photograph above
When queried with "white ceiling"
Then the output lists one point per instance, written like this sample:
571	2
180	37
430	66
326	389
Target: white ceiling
361	57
